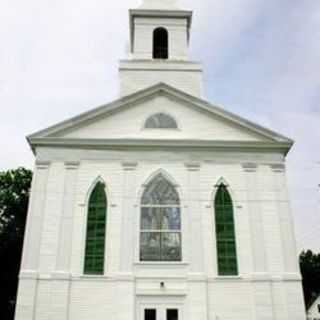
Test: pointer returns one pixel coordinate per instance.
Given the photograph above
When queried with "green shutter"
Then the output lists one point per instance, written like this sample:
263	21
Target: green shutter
225	233
96	230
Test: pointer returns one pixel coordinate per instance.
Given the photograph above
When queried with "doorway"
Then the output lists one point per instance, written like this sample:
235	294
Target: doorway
162	312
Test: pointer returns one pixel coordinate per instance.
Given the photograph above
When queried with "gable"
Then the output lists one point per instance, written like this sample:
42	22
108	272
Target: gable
122	122
192	124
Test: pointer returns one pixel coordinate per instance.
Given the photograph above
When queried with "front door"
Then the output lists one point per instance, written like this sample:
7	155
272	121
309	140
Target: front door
160	312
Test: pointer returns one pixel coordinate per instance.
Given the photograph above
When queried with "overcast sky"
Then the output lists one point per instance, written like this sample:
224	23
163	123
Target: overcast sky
261	61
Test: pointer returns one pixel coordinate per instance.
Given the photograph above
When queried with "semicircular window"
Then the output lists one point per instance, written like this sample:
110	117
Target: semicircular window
161	121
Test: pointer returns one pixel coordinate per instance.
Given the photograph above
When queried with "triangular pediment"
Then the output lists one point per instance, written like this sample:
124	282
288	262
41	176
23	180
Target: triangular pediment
124	119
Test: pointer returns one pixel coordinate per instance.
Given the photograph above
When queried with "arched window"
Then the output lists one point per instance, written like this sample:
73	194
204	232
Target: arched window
160	223
160	43
96	231
225	233
161	121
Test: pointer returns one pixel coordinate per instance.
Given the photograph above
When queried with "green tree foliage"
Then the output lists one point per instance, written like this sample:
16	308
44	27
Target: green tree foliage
310	269
14	196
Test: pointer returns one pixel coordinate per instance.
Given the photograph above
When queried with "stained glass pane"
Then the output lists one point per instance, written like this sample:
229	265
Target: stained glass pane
225	233
150	246
161	121
170	219
95	237
170	246
160	218
150	218
160	192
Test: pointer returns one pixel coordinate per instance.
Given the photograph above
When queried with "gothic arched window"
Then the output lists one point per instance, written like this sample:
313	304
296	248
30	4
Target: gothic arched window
160	44
160	121
160	222
96	231
225	233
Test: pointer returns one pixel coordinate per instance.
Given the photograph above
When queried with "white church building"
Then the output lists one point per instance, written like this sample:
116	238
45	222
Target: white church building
159	205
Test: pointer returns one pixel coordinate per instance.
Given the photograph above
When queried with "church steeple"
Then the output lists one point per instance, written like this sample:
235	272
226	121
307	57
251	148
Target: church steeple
159	45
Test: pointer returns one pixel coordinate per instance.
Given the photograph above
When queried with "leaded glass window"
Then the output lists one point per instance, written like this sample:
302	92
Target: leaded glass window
225	233
96	230
161	121
160	223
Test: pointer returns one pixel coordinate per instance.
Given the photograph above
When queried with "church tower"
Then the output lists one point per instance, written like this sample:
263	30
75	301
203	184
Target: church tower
159	45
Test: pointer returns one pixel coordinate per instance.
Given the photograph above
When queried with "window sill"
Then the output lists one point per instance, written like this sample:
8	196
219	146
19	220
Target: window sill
161	263
103	277
160	129
227	277
94	276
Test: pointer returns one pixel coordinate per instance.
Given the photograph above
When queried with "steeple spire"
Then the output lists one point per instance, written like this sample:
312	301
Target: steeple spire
159	5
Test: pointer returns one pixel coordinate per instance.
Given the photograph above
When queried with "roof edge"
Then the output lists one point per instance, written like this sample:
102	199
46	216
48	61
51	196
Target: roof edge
282	147
161	87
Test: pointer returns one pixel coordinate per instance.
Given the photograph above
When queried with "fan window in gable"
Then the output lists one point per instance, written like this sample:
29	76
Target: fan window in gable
161	121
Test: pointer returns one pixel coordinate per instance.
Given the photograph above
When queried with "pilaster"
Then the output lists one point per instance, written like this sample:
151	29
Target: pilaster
289	250
27	291
128	216
255	218
289	299
31	252
66	220
262	290
195	244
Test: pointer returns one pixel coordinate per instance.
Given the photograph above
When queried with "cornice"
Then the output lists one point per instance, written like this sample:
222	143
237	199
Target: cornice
147	143
129	165
250	167
278	167
151	65
42	164
192	166
160	13
72	165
